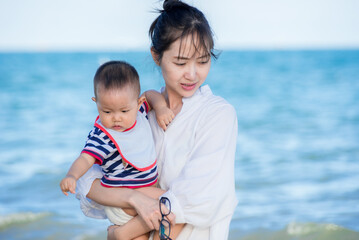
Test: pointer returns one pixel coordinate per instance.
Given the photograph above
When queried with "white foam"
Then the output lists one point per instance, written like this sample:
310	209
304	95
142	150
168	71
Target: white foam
297	229
19	218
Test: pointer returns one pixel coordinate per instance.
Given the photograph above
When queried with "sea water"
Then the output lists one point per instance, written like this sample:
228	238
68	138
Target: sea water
297	160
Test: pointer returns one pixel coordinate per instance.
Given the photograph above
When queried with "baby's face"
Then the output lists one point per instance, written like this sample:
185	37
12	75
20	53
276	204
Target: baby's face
117	108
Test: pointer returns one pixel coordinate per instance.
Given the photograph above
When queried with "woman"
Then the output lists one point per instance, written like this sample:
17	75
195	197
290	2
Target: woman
196	152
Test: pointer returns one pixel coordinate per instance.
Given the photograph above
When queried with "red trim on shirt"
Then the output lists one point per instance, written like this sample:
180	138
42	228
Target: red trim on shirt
146	106
147	185
98	160
128	129
119	150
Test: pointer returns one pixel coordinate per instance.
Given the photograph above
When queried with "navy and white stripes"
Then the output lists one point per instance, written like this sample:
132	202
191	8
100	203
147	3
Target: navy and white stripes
117	173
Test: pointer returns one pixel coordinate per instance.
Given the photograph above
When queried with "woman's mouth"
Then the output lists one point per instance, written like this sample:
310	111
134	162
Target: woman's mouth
188	86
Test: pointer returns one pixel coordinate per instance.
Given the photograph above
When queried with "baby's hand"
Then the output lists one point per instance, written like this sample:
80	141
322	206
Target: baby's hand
68	184
164	117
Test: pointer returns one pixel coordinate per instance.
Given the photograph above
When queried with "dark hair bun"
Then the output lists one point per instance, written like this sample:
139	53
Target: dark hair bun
169	4
178	20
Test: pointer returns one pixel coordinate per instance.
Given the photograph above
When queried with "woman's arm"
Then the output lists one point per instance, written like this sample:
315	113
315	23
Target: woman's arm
146	207
204	191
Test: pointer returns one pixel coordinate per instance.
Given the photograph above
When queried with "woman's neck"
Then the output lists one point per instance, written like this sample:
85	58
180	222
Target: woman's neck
174	101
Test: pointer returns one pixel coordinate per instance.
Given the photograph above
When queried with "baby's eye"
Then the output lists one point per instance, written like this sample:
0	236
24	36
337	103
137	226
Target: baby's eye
107	112
124	111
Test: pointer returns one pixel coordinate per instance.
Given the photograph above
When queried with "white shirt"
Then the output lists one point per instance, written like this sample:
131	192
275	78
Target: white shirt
196	165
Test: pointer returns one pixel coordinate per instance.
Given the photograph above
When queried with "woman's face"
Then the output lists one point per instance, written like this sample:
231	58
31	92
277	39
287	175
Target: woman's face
184	68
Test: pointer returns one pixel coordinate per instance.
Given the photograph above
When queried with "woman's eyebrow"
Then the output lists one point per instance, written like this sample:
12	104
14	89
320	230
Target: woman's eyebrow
181	58
187	58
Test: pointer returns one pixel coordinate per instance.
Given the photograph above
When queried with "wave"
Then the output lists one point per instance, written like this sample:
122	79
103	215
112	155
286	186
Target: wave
20	218
302	231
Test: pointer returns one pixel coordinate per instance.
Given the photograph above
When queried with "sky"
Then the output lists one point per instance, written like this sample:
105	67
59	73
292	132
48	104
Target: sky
108	25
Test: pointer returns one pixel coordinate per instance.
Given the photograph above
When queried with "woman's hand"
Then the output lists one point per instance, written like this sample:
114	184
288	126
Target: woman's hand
148	209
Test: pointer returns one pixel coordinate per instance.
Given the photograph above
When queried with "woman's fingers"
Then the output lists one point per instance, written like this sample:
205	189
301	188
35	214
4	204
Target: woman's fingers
153	221
171	218
148	209
156	223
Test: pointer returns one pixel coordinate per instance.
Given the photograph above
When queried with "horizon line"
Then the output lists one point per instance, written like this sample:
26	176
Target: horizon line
143	49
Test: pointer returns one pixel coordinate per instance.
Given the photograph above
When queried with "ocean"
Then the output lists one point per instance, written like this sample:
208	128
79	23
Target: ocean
297	160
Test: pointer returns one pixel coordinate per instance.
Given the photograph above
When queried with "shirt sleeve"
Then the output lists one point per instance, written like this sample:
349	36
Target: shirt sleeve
98	145
89	208
204	192
144	109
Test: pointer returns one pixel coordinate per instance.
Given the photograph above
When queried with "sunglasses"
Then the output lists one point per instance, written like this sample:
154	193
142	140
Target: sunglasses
165	226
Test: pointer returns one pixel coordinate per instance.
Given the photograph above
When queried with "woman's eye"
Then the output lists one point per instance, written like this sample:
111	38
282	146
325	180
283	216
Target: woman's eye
180	63
204	61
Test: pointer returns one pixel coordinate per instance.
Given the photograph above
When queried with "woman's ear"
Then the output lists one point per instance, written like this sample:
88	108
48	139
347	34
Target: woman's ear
155	56
93	99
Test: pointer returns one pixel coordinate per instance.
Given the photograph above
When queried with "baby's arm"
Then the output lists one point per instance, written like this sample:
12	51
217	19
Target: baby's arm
157	102
78	168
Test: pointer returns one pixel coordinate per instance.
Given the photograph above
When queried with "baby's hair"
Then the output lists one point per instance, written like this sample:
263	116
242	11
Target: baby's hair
116	74
176	21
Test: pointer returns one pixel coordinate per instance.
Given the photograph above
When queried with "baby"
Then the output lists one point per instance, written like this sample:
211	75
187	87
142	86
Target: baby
121	141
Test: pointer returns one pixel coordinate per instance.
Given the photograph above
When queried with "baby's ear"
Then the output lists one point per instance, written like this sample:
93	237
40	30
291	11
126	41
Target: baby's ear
93	99
141	100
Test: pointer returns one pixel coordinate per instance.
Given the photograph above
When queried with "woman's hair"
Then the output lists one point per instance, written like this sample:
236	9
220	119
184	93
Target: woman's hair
176	21
116	74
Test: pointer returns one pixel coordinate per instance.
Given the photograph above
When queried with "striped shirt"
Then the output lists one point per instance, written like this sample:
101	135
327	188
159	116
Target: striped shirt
117	173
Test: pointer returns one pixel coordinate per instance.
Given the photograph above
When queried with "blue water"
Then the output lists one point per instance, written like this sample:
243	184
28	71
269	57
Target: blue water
297	162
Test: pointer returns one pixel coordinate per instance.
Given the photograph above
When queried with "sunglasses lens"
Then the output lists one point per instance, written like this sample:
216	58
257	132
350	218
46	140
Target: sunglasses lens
167	204
165	229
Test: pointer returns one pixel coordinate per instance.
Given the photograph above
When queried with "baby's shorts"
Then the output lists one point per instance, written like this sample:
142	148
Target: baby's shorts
117	215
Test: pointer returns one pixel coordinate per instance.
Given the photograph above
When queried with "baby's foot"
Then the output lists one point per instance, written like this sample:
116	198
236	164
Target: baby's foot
111	232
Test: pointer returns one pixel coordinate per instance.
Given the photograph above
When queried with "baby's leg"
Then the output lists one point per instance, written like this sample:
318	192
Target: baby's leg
156	193
133	229
136	227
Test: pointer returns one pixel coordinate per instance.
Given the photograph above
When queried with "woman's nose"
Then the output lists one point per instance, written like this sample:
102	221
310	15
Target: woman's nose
191	71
